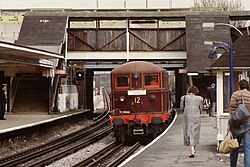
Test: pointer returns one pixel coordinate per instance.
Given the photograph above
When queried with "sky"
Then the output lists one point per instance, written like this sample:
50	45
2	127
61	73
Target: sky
105	4
246	4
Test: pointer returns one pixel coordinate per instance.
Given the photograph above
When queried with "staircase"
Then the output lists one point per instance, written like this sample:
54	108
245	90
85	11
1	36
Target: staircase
32	96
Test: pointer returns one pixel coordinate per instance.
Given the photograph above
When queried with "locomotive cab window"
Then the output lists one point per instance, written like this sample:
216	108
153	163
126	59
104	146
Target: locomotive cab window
151	80
121	82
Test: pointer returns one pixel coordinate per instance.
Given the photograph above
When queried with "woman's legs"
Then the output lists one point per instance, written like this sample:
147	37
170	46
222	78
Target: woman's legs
234	157
192	150
246	142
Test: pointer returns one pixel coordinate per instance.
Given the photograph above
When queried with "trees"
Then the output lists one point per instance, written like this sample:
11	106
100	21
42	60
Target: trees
227	5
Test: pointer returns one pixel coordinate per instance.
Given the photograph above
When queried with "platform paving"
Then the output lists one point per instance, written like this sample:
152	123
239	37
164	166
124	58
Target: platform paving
19	121
169	150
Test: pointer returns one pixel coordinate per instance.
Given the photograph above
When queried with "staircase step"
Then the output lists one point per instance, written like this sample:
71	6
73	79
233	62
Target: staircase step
32	95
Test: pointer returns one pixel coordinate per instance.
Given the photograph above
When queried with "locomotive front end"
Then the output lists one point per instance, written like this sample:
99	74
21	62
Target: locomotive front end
139	101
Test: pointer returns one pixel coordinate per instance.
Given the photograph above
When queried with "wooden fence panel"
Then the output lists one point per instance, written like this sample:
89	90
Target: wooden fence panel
112	40
115	39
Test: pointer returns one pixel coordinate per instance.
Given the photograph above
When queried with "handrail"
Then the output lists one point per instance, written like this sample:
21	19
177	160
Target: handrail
13	89
14	86
54	92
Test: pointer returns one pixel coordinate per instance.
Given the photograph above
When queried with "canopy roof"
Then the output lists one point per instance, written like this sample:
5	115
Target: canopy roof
241	54
16	54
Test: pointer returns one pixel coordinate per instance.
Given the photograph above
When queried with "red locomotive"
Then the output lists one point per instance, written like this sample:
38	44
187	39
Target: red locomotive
140	100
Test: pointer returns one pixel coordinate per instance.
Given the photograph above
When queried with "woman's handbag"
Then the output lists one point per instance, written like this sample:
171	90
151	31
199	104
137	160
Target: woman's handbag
206	104
240	115
228	144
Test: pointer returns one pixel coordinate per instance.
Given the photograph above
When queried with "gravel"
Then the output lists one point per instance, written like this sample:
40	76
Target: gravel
82	154
16	145
34	140
20	144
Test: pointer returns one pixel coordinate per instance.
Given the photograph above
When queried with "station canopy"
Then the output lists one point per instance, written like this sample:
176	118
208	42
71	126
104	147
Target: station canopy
11	54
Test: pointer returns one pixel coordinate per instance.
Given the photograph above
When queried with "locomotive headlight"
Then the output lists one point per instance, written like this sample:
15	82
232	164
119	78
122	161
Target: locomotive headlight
152	97
122	98
117	111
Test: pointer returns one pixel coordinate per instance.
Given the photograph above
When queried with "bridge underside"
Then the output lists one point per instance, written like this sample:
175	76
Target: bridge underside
109	60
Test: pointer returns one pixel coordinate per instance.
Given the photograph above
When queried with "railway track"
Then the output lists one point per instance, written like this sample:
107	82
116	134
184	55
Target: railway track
110	156
106	93
80	139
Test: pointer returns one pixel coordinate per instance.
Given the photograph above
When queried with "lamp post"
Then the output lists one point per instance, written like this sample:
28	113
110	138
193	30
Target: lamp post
221	131
228	47
225	46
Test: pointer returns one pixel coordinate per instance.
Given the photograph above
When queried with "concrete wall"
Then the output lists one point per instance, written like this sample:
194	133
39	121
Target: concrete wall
10	27
196	35
68	98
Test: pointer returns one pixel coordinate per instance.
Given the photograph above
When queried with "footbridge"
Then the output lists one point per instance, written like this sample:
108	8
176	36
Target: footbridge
95	40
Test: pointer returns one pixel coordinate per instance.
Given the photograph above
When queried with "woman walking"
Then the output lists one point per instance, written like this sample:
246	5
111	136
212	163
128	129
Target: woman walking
192	105
242	94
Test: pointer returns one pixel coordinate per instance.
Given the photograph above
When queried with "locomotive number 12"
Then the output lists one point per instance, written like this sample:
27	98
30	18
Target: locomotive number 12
137	100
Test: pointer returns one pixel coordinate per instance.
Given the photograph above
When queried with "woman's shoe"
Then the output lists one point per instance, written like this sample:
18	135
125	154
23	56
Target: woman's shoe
191	156
192	150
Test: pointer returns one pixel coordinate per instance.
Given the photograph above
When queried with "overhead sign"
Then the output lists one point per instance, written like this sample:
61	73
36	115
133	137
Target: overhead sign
46	62
62	72
11	18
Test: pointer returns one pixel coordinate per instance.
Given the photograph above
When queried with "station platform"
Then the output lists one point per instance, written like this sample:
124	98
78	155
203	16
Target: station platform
17	122
168	148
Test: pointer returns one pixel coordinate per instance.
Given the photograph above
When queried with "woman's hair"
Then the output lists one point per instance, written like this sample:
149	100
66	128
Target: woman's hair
243	84
193	89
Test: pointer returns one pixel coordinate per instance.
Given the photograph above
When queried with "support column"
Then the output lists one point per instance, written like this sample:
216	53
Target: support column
89	90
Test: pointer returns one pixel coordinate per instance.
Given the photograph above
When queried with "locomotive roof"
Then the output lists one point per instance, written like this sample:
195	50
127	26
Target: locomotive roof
137	66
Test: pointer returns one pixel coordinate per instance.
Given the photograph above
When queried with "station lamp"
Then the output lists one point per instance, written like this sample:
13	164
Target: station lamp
80	76
213	55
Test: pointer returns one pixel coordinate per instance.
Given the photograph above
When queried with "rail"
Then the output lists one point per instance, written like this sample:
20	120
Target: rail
33	153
